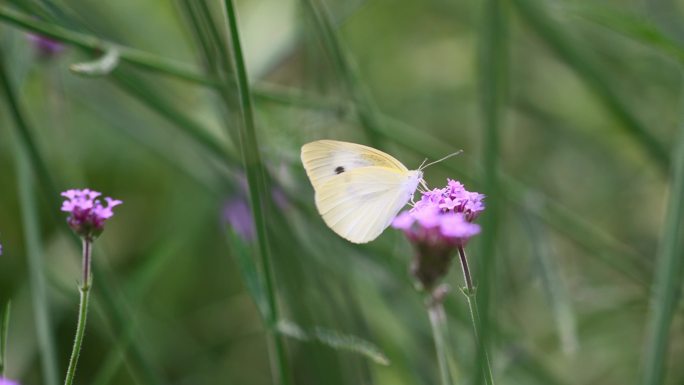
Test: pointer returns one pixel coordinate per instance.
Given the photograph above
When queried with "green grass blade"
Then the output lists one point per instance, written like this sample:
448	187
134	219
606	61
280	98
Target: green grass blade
334	340
493	64
668	276
33	244
94	44
4	334
548	30
257	190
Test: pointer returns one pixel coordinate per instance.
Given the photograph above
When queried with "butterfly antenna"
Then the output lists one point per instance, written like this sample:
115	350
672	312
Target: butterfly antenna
440	160
421	165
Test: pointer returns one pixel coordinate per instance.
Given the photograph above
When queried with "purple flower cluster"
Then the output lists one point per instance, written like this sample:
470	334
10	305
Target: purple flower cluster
87	214
443	216
6	381
437	226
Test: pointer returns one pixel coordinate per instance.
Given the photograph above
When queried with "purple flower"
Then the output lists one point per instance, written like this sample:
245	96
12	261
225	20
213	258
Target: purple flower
7	381
45	46
437	225
238	216
87	214
443	215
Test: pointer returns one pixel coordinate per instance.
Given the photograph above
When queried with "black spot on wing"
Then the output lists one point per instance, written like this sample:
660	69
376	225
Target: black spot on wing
339	170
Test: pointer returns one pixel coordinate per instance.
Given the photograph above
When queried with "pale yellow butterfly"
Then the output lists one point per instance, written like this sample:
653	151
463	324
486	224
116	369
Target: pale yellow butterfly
359	189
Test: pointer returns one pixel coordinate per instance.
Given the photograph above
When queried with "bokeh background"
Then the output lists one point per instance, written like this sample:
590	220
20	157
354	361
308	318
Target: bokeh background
568	114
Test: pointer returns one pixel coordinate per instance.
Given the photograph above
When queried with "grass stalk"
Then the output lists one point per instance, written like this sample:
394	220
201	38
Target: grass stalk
492	78
4	334
257	190
484	367
439	324
668	276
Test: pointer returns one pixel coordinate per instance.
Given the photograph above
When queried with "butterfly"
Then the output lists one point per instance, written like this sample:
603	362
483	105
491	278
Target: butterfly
358	189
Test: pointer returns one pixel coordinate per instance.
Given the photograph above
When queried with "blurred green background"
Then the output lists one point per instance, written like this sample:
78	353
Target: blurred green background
568	114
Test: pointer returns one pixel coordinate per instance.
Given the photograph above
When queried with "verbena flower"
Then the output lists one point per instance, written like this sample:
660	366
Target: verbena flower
238	216
45	46
437	226
87	213
7	381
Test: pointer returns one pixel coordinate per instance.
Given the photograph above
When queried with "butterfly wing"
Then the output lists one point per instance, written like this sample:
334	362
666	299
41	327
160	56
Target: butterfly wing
359	204
325	159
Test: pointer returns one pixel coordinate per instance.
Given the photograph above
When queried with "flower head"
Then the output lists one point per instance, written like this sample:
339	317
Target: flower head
87	213
437	225
238	216
44	46
7	381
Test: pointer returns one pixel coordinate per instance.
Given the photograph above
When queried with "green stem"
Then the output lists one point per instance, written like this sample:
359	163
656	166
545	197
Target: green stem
82	312
470	294
668	277
257	190
4	330
438	321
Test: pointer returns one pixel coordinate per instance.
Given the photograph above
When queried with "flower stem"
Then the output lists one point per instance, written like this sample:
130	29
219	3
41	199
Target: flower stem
438	322
82	312
469	292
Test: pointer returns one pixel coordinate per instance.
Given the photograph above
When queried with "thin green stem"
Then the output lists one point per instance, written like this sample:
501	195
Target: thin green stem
4	333
82	312
438	321
668	276
257	189
493	77
470	294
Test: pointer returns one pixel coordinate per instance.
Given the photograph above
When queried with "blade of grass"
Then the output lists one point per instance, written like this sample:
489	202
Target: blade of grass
257	190
334	340
668	276
492	77
33	245
94	44
4	334
550	32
